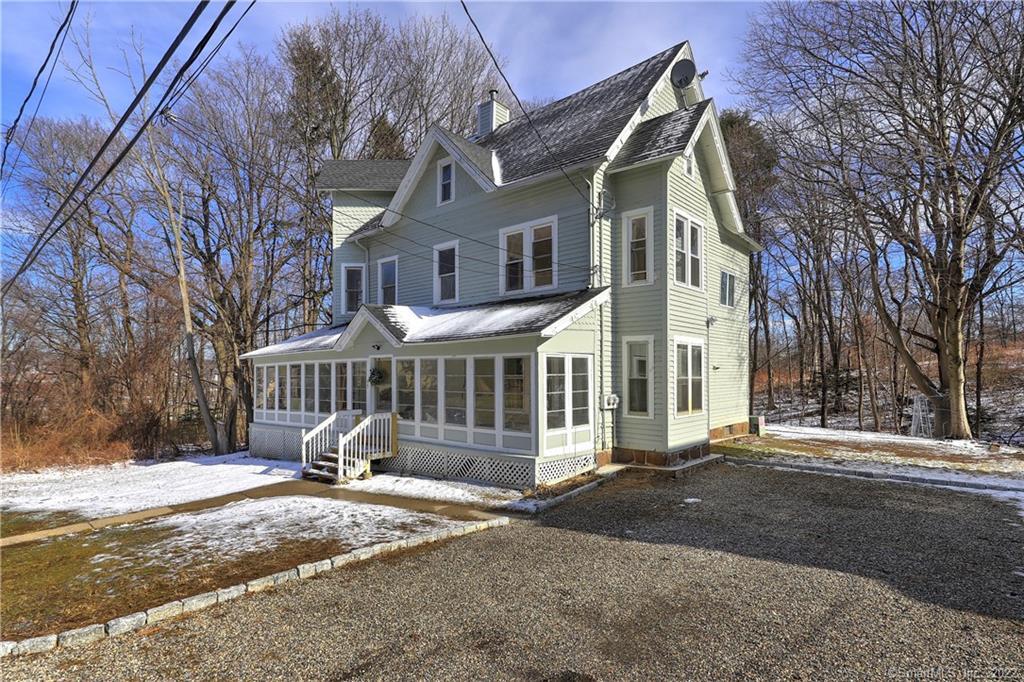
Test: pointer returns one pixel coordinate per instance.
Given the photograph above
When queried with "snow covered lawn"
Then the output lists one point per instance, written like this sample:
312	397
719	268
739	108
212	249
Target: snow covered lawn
884	448
96	576
455	492
133	486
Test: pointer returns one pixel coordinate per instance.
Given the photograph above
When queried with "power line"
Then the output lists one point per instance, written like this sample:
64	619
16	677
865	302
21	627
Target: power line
179	124
44	239
195	137
61	31
206	61
526	114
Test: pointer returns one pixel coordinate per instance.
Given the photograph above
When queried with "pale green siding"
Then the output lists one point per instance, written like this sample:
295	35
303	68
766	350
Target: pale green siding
349	211
639	310
477	217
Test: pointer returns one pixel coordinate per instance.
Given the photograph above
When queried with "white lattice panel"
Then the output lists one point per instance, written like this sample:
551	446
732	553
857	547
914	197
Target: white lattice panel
274	442
554	470
429	461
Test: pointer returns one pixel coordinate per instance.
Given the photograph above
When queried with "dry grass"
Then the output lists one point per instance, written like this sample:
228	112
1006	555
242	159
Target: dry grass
84	439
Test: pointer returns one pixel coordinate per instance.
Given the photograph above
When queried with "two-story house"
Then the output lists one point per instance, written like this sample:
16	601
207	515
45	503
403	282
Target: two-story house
524	305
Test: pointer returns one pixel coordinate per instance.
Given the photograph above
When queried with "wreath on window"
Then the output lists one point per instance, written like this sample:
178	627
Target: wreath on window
376	376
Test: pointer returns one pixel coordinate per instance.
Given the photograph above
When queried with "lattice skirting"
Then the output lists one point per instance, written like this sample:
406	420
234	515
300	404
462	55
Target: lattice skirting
274	442
555	470
507	471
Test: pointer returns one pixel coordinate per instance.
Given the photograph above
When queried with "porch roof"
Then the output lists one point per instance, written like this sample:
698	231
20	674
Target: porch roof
545	315
320	339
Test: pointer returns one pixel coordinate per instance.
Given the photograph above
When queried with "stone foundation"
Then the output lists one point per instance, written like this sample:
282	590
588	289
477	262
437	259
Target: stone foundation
730	431
659	459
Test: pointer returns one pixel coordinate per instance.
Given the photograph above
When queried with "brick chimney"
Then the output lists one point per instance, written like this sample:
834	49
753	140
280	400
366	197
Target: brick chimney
490	114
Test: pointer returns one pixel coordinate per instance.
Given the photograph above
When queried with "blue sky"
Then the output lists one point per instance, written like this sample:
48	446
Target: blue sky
552	49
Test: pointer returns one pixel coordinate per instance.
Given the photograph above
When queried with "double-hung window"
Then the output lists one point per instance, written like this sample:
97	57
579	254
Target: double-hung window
689	245
353	277
387	280
528	256
689	376
637	247
446	272
637	354
445	172
727	293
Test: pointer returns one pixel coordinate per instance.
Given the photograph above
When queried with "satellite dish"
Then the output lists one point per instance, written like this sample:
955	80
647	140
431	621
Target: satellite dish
683	73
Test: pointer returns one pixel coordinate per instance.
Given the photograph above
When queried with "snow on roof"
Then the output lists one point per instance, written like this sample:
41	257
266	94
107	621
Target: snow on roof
426	324
321	339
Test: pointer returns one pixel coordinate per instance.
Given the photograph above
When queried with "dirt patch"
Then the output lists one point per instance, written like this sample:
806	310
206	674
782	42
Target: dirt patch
546	492
71	581
926	454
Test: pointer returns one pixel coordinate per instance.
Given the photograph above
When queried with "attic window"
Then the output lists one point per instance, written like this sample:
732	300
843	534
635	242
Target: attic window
688	164
444	181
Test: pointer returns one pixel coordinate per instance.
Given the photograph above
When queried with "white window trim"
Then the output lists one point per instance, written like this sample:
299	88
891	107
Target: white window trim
447	161
689	164
735	280
345	267
437	277
690	220
627	217
689	341
528	271
649	340
380	279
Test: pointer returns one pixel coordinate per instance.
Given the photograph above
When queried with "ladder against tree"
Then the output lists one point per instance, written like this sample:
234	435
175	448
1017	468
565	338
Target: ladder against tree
921	422
342	446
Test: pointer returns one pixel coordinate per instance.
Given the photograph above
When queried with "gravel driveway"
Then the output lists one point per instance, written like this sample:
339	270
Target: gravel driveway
771	574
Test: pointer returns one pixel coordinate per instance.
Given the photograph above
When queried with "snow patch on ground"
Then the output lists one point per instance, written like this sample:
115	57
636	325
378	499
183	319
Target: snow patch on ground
951	447
454	492
253	525
134	486
249	526
891	449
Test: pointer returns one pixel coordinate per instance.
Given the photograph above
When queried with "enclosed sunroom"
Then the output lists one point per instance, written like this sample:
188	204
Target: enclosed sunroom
502	392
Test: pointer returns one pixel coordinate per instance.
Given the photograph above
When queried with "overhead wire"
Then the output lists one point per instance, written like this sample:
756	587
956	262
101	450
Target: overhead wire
63	31
45	238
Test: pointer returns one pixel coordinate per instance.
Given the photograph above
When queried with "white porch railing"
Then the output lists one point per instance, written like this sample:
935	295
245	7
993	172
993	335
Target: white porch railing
372	438
320	439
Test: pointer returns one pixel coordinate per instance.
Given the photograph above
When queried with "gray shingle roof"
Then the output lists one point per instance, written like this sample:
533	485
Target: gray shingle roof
431	324
384	175
577	128
477	155
664	136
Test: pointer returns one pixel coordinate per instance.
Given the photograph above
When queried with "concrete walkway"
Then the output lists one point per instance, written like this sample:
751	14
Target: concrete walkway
282	489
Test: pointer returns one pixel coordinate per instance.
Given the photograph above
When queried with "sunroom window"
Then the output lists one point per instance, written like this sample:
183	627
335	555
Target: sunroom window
516	401
455	391
405	378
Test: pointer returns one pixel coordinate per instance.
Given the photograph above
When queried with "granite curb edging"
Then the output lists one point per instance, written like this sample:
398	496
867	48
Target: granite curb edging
95	632
875	475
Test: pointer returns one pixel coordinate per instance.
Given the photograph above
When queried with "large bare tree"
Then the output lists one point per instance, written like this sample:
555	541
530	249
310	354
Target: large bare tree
906	118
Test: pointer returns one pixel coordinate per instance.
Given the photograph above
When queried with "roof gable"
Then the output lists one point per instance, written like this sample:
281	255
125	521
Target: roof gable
475	160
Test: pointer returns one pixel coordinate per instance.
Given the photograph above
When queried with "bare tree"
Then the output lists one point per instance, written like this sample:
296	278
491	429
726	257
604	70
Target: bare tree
910	116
